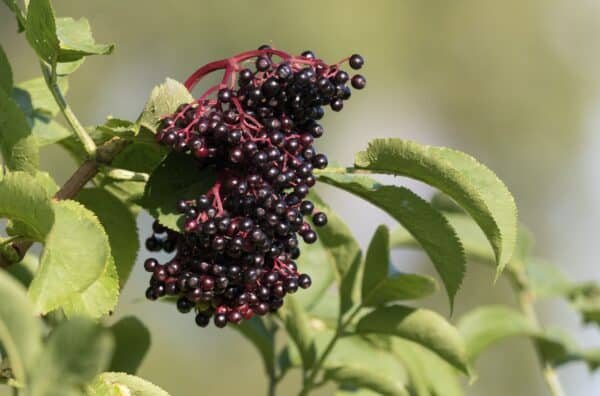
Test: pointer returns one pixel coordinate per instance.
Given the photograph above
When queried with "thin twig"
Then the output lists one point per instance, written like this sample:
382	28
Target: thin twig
50	77
124	174
519	282
309	381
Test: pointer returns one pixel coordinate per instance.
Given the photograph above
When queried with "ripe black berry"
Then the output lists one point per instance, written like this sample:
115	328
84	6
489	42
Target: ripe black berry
320	219
184	305
356	61
202	320
150	264
358	82
221	320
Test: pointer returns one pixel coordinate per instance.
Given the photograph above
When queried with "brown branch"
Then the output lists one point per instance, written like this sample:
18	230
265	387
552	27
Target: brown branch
86	172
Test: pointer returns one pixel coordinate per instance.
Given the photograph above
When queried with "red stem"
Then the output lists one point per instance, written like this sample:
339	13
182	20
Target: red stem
230	64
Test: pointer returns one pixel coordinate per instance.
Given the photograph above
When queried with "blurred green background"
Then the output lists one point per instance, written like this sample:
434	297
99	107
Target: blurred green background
514	83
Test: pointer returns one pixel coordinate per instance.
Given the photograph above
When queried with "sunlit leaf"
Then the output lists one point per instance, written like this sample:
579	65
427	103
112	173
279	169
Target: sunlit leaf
97	300
75	255
297	325
472	185
124	384
39	106
132	342
175	178
426	224
379	288
421	326
18	145
60	39
75	353
361	378
343	253
6	76
76	40
20	329
120	225
429	374
23	199
163	101
255	330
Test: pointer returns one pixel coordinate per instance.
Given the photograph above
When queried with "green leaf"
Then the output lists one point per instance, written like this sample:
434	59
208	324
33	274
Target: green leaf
136	157
66	68
296	322
429	375
487	325
48	131
377	260
345	390
62	39
119	223
76	40
17	144
47	183
132	342
421	326
175	178
426	224
314	260
75	255
474	241
24	200
400	287
24	270
33	96
586	299
353	376
14	7
377	287
39	106
343	252
350	285
75	353
257	333
472	185
546	280
124	384
444	203
327	309
118	127
20	329
99	299
41	30
163	101
355	353
6	76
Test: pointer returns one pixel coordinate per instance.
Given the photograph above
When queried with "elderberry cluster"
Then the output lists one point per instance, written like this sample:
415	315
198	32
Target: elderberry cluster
235	255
